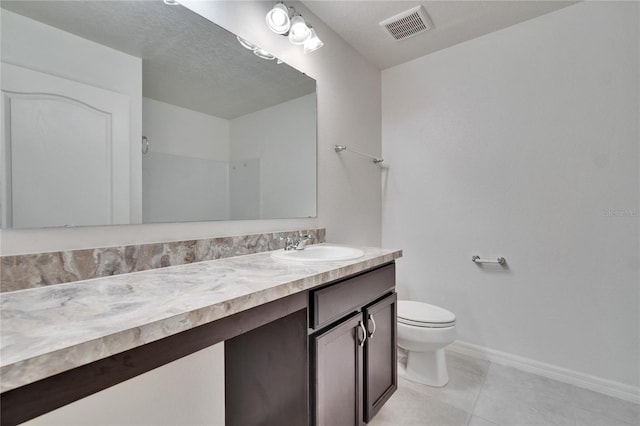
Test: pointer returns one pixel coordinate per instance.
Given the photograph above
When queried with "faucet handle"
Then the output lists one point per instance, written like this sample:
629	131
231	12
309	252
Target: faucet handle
289	242
299	243
302	241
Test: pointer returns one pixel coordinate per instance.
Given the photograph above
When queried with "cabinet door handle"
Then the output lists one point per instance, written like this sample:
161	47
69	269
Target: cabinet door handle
374	325
364	333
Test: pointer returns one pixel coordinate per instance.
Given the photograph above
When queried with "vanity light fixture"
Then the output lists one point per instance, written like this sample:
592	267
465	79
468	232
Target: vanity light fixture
261	53
246	44
284	20
313	42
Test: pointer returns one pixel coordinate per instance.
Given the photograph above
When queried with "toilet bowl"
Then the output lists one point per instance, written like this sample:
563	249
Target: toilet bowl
423	332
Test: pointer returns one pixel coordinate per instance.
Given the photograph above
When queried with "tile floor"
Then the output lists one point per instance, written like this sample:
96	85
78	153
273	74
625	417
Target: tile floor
480	393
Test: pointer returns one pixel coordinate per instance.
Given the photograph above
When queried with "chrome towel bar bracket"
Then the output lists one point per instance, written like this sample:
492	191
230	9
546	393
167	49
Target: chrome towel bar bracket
145	145
499	261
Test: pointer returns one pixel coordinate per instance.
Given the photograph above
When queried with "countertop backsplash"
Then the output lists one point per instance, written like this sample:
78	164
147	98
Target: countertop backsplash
20	272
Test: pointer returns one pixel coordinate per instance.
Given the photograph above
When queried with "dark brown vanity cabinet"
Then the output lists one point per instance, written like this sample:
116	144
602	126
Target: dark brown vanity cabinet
337	399
380	355
326	356
353	348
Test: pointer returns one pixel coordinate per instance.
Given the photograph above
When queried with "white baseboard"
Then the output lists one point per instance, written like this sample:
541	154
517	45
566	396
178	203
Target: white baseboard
596	384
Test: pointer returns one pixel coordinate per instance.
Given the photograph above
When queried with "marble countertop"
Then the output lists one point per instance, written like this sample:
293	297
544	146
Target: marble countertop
48	330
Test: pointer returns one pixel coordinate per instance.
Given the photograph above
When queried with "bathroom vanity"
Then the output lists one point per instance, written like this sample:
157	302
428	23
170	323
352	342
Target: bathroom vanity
305	343
353	347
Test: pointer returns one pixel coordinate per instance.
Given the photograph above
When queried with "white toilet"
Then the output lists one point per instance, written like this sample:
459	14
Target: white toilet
423	332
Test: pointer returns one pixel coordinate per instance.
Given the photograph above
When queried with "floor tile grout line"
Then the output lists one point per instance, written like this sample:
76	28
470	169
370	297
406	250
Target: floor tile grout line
574	405
466	403
475	403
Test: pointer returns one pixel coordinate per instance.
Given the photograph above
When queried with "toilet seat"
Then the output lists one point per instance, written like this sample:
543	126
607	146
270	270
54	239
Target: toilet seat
420	314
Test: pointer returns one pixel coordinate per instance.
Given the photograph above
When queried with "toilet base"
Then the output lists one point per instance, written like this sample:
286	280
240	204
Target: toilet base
428	368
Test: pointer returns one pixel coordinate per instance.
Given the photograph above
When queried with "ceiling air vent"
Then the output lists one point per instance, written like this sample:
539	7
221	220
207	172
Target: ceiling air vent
408	23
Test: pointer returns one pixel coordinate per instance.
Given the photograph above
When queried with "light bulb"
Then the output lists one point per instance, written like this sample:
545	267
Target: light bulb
278	19
299	32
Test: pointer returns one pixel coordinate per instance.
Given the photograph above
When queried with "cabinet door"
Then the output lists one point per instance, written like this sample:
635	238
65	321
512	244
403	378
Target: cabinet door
380	355
338	374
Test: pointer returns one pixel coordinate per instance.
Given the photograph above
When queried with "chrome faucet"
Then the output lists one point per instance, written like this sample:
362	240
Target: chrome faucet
302	241
297	243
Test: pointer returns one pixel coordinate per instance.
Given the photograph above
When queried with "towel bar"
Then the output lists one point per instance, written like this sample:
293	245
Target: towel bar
376	160
499	261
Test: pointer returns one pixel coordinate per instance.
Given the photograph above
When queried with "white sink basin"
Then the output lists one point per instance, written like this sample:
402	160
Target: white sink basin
320	253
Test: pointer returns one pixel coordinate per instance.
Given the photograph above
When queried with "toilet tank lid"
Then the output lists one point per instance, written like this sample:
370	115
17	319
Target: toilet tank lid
423	312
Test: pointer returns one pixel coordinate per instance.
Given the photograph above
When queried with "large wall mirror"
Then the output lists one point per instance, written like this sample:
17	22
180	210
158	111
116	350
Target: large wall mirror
127	112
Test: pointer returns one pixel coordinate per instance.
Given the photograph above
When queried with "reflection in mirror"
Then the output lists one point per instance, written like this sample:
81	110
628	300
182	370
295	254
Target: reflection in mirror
119	112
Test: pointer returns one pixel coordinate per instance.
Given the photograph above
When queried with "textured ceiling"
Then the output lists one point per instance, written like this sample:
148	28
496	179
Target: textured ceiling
186	60
454	22
191	62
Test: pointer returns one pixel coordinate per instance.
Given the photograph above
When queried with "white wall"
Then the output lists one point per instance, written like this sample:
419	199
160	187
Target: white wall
348	91
184	392
524	143
229	168
43	48
185	174
180	131
264	135
244	188
348	112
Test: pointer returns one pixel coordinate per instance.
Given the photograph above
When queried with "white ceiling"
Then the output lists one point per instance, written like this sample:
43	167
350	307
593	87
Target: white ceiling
454	22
